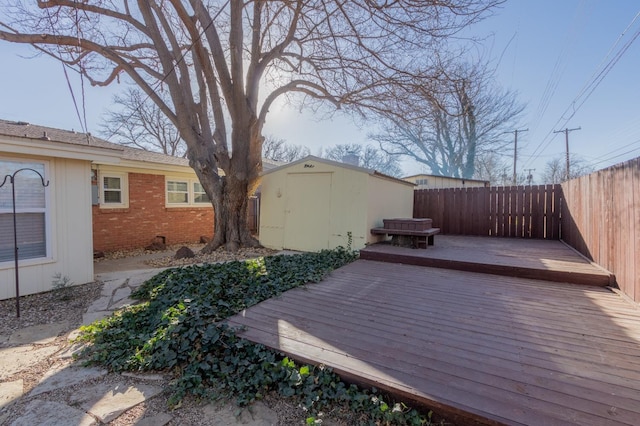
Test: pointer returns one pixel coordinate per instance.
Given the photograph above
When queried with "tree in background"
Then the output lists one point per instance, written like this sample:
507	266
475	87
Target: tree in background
452	122
279	150
214	58
364	156
492	167
555	170
141	124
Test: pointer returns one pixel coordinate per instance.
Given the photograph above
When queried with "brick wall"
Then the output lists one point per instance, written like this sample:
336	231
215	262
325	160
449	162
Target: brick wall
147	217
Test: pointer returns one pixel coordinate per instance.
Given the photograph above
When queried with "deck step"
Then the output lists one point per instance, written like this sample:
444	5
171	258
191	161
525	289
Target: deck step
484	257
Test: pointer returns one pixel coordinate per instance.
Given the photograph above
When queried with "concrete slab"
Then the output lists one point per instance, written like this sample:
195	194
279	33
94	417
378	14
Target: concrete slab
145	376
47	413
10	391
73	335
20	358
257	414
40	334
157	420
106	402
63	375
123	303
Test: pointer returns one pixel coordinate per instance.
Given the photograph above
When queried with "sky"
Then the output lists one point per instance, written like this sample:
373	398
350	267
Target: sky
574	63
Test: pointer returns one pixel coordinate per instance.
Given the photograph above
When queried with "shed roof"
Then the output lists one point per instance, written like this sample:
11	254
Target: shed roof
446	177
371	172
47	135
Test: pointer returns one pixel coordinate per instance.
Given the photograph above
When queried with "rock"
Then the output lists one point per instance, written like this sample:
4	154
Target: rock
257	414
204	239
156	246
184	252
97	254
157	420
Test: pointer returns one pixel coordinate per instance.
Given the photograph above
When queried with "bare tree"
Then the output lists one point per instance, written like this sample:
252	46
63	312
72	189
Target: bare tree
279	150
555	170
452	122
364	156
214	57
141	124
491	166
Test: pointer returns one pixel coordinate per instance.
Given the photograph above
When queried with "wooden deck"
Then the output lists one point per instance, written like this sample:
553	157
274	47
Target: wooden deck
538	259
475	347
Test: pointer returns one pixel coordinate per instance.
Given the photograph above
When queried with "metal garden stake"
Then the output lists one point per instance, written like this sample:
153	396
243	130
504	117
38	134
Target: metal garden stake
12	179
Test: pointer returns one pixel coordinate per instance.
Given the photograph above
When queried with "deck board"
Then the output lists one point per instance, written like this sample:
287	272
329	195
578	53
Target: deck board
479	347
525	258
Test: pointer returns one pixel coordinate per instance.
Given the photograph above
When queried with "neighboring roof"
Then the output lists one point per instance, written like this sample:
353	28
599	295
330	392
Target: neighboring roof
46	135
371	172
446	177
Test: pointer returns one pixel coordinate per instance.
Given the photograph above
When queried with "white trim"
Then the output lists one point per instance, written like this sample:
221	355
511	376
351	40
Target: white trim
190	193
124	190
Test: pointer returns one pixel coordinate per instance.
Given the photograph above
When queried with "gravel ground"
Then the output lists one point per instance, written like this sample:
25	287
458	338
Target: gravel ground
70	303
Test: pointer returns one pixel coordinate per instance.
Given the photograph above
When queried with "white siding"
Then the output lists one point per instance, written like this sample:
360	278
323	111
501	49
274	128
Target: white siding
70	233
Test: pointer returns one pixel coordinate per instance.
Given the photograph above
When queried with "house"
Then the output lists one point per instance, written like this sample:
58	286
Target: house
314	203
101	196
424	181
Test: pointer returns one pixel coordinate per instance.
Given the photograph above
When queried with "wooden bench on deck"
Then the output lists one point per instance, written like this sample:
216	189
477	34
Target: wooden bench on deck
417	233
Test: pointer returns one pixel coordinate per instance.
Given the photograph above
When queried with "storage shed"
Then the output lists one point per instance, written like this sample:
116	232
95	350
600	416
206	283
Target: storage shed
314	203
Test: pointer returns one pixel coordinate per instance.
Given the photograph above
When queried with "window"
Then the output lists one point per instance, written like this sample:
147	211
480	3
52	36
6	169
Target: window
177	192
199	196
186	192
31	211
113	190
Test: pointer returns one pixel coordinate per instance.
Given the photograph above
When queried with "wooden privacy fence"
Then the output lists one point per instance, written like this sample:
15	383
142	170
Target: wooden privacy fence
511	211
601	219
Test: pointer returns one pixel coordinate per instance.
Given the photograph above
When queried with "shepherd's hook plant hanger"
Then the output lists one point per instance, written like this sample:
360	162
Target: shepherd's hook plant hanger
12	180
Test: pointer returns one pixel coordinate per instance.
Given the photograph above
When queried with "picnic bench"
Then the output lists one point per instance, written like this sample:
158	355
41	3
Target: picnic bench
417	233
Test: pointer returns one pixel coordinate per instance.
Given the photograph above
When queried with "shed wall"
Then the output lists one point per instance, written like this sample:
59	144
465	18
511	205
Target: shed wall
348	207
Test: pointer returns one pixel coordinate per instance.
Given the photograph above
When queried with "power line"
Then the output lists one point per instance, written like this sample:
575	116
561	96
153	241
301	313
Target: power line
590	85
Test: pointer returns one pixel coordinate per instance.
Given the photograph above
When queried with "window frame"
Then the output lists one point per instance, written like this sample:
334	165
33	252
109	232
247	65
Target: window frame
46	210
124	190
191	193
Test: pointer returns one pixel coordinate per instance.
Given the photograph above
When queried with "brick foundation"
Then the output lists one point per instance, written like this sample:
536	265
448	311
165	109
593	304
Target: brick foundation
147	217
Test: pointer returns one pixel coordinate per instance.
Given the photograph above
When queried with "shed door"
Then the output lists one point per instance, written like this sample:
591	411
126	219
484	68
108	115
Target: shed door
307	211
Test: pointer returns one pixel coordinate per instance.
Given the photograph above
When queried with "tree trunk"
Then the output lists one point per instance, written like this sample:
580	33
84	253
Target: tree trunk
230	210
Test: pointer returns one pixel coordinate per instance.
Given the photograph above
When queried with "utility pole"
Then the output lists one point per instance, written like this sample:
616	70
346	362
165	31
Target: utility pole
515	153
529	175
566	142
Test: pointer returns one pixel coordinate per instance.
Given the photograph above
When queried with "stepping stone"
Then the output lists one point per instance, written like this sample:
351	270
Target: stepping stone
157	420
20	358
137	280
47	413
120	294
257	414
101	304
144	376
107	402
10	391
74	334
38	334
110	286
72	350
90	317
64	375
